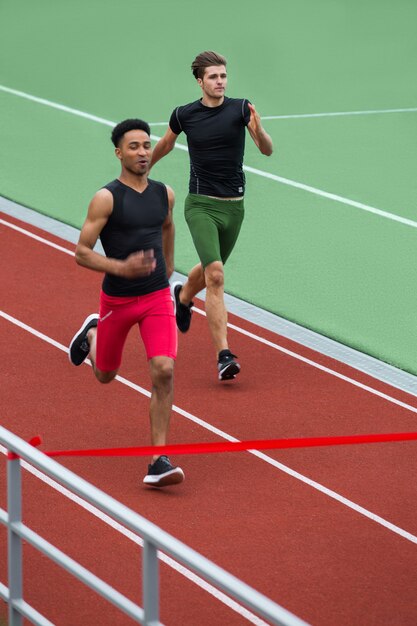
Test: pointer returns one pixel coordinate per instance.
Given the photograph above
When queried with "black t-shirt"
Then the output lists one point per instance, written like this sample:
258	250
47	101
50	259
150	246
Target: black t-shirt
135	224
216	144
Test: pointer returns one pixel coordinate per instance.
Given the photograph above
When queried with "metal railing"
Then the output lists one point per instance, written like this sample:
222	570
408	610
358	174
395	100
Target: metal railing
154	539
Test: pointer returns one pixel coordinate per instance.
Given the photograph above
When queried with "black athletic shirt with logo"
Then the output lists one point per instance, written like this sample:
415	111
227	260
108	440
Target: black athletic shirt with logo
216	143
135	224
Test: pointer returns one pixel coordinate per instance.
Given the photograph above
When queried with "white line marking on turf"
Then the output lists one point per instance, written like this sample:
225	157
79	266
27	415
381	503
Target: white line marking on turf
333	196
55	105
312	483
252	170
296	116
338	114
242	331
181	569
62	107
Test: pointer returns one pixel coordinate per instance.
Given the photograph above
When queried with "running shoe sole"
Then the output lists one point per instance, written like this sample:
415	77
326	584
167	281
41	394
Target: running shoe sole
177	286
229	371
174	299
172	477
81	331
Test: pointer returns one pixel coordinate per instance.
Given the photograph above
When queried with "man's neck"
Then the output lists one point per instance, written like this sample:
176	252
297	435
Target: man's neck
211	102
137	182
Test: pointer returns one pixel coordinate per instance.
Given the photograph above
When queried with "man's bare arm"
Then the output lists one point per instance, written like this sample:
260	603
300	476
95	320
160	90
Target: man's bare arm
168	234
164	146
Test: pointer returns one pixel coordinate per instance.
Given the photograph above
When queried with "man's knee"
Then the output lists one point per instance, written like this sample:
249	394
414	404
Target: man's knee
162	371
105	377
214	275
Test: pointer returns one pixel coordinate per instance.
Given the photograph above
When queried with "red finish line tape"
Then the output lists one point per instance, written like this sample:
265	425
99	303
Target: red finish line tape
231	446
35	441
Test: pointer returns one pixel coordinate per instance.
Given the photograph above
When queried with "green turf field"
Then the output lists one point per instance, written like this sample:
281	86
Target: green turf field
345	271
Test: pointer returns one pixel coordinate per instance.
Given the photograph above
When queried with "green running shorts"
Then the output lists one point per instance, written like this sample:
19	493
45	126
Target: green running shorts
214	226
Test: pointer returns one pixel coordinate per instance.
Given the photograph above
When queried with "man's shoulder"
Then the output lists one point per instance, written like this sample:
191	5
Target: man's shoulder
239	107
113	186
188	108
236	102
159	187
155	183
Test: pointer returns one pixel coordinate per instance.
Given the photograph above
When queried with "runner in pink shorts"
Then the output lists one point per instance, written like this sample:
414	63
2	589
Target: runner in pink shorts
132	215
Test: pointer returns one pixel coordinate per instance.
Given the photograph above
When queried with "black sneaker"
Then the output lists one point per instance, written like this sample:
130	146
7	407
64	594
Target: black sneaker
183	312
79	346
161	473
227	366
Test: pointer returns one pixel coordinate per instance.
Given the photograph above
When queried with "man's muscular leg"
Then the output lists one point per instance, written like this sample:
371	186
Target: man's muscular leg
162	376
215	307
194	284
102	377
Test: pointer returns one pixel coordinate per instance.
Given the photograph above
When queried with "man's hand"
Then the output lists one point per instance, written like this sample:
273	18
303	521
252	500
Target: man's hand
255	121
262	140
137	264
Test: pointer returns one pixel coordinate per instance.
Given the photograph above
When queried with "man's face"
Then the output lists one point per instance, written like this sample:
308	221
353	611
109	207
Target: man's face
134	151
214	81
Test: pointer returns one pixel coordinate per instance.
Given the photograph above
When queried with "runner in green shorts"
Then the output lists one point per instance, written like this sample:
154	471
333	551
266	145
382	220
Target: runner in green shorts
215	129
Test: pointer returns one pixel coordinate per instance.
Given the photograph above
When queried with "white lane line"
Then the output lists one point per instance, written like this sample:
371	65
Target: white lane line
296	116
338	114
318	366
311	483
181	569
36	237
332	196
242	331
252	170
64	108
56	105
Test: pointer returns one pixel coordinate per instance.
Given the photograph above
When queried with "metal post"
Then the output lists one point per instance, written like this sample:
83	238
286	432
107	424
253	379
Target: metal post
150	575
14	506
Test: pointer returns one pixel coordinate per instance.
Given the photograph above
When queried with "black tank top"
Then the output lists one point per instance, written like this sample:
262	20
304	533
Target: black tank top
135	224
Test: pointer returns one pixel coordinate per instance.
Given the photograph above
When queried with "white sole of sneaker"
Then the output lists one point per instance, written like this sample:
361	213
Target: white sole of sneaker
172	288
173	477
229	372
83	325
179	325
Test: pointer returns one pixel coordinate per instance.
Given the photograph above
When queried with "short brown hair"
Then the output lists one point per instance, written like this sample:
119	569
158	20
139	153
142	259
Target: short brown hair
206	59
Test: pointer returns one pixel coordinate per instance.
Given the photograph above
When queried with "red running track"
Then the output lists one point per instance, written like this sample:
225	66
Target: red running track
328	533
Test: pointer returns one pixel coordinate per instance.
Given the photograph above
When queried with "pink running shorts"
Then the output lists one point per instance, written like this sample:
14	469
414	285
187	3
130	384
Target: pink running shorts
154	314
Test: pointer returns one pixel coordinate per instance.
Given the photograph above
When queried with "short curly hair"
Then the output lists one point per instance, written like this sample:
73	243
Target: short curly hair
123	127
206	59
